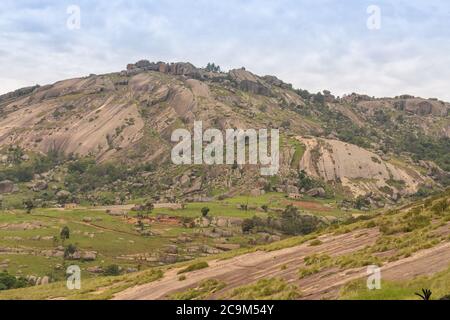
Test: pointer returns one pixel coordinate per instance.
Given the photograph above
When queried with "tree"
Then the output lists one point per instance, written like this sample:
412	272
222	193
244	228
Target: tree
29	205
122	198
361	203
205	212
305	182
247	225
211	67
141	225
65	234
70	250
148	207
293	223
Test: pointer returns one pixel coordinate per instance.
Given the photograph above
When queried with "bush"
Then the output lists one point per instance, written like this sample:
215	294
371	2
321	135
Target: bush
440	206
8	282
71	249
293	223
247	225
205	212
112	270
250	224
315	243
194	266
202	291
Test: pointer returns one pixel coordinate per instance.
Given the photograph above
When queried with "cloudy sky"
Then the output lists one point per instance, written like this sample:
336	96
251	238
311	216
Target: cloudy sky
313	44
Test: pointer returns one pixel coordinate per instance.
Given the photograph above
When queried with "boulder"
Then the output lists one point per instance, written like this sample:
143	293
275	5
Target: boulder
168	258
210	250
227	246
254	87
95	269
256	192
172	249
63	194
6	186
316	192
39	186
184	180
131	270
89	256
184	239
45	280
292	189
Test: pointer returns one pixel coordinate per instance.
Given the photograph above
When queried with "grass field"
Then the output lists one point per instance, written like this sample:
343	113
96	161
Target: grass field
439	285
25	238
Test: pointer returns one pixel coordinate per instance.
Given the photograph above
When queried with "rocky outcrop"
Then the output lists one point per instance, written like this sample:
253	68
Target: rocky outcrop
179	68
316	192
357	169
246	81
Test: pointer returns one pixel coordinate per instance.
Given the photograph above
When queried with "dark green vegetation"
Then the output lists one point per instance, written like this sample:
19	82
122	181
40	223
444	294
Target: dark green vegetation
290	222
194	267
8	281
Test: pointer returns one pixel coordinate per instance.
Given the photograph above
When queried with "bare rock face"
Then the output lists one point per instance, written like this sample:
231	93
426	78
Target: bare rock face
357	169
248	82
254	87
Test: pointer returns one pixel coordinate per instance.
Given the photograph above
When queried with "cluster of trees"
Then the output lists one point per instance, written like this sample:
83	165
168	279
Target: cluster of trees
24	171
290	222
86	175
8	281
425	148
212	67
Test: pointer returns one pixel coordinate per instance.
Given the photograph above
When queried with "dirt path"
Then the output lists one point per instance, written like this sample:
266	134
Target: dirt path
285	263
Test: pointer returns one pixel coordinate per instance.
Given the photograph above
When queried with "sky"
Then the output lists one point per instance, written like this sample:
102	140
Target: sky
313	44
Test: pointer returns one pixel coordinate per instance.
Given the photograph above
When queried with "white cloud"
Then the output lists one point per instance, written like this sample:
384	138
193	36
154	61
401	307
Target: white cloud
315	45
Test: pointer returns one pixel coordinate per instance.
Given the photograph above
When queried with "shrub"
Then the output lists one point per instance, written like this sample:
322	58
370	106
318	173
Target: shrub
65	234
112	270
8	281
194	266
205	212
315	242
204	289
293	223
440	206
71	249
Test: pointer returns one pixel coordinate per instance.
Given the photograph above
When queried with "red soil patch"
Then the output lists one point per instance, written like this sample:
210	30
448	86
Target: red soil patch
308	205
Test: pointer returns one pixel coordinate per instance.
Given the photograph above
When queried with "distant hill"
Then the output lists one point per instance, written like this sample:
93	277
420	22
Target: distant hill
355	145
